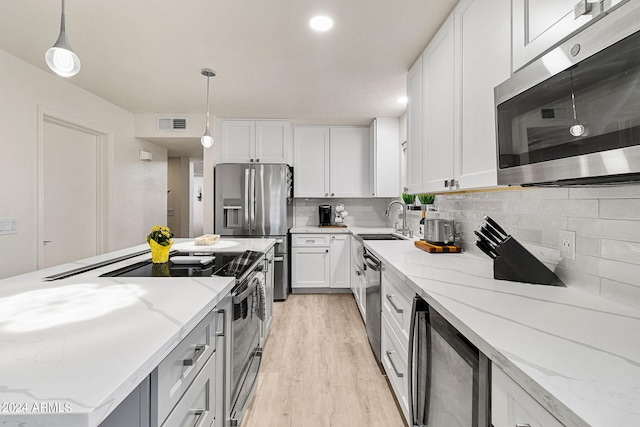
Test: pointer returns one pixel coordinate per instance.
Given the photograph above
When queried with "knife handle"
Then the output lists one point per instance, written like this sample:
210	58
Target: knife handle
484	248
496	226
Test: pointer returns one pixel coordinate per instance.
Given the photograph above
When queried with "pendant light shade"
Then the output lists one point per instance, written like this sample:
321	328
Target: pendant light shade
207	139
60	57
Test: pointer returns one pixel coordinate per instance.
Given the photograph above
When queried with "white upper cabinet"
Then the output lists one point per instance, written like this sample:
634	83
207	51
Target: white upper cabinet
349	155
538	25
482	52
451	129
331	161
415	127
264	141
439	82
385	156
311	161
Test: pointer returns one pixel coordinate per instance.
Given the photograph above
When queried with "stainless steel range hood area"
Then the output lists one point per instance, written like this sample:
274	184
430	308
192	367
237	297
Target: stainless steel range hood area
572	117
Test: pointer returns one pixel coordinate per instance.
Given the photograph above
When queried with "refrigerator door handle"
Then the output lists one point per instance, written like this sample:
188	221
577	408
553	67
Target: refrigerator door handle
253	198
246	199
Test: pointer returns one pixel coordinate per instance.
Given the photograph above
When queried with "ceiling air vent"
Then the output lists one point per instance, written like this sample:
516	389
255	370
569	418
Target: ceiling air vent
172	123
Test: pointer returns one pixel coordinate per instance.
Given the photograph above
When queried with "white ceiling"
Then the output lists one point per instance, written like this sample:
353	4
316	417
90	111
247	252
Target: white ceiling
146	55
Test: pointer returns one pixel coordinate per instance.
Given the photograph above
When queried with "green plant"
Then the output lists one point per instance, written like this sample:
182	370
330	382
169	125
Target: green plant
408	199
426	199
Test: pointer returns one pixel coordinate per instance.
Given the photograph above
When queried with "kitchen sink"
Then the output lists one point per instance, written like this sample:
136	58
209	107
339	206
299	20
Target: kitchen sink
387	236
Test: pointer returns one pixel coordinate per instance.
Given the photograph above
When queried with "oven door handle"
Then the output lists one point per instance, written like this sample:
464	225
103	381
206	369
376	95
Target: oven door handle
237	299
371	262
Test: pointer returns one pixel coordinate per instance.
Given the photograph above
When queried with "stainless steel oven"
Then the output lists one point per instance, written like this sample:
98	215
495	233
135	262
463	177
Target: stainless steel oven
247	316
572	117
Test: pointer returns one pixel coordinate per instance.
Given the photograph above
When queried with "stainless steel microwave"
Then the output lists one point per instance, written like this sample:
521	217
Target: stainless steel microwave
572	117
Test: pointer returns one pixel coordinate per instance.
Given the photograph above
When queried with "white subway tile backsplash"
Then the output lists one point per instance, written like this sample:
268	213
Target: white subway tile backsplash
545	193
621	192
620	209
621	251
606	221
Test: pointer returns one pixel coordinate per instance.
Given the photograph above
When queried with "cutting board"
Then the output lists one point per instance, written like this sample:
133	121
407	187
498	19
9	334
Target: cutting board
435	249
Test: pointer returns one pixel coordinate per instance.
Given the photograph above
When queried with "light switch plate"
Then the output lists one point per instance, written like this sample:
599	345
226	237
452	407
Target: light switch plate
8	226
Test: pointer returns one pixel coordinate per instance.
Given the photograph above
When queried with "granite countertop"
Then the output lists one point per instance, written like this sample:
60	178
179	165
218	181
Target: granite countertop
577	354
78	346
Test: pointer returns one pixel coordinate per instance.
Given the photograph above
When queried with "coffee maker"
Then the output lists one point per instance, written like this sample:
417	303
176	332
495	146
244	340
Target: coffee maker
324	214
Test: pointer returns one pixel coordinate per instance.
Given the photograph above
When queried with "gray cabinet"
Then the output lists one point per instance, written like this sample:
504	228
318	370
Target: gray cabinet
268	272
133	411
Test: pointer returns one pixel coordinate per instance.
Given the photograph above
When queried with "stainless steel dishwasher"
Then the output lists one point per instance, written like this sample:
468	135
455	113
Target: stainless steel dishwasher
373	273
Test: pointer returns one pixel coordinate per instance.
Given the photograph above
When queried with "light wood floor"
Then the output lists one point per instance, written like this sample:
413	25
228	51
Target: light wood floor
318	369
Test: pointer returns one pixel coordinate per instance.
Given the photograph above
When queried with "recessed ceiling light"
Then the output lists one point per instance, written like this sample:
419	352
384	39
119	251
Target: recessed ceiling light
403	100
321	23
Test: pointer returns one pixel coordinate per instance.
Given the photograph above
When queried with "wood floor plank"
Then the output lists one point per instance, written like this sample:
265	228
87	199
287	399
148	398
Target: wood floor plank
318	369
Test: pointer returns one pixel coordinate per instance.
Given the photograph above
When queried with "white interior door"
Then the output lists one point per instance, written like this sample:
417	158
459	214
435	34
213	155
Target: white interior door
70	181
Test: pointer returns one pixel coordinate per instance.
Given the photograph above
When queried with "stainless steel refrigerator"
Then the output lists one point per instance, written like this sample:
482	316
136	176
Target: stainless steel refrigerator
256	200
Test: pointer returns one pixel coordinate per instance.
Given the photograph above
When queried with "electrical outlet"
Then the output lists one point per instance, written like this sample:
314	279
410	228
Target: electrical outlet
568	244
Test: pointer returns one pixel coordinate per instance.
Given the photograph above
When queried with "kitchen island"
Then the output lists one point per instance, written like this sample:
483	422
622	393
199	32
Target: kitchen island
71	350
575	353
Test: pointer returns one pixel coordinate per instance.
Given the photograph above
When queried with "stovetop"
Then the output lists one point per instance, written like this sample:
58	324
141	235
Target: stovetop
229	264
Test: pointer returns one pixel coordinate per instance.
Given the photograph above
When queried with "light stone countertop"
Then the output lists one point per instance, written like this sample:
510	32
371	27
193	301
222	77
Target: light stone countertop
80	345
577	354
336	230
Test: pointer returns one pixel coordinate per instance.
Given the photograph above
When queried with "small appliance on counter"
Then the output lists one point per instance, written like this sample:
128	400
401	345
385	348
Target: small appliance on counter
324	214
438	231
511	260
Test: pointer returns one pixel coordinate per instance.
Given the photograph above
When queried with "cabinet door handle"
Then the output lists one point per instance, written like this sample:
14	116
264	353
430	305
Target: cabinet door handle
326	251
393	365
332	194
199	351
523	425
309	241
201	415
224	322
393	304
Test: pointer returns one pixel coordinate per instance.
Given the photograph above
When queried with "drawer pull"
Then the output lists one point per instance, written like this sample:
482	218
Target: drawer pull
310	242
523	425
393	304
201	415
224	322
196	355
393	365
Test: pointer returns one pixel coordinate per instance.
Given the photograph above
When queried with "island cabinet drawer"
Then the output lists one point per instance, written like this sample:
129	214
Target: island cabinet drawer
173	376
397	299
512	406
298	240
394	360
197	406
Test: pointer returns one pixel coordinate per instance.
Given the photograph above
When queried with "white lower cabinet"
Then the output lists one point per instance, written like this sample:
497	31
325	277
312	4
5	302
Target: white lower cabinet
340	254
512	406
395	362
320	262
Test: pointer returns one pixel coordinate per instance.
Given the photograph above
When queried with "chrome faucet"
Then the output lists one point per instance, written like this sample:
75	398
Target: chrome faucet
404	228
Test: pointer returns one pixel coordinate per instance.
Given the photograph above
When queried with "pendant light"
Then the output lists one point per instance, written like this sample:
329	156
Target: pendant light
207	139
60	58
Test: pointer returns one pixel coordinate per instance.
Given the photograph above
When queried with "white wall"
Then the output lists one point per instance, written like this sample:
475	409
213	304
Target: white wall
138	189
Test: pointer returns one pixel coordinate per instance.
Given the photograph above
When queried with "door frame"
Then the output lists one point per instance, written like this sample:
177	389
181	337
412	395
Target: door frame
104	167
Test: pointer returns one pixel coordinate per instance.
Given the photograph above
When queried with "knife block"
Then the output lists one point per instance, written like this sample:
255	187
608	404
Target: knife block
514	262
